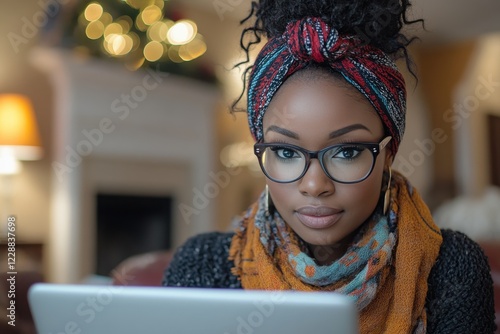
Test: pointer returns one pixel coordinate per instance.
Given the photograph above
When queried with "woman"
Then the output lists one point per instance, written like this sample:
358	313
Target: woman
326	106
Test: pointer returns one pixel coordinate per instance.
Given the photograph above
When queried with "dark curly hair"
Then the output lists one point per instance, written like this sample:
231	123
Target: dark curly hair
378	23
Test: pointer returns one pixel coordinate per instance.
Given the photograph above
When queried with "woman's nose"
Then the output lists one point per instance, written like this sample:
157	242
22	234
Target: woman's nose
315	182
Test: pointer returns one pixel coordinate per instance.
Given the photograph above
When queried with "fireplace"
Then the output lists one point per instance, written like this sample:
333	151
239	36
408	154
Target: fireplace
128	225
159	145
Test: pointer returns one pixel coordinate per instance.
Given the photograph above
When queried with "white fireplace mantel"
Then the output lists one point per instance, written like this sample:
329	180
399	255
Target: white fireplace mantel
105	113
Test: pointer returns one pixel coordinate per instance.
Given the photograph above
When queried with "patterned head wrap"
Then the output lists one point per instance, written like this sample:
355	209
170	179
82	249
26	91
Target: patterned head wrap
311	40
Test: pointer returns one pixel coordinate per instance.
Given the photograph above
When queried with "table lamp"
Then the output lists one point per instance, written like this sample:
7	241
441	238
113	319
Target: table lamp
19	140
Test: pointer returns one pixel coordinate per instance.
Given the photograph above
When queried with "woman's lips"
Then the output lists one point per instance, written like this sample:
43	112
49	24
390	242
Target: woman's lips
318	217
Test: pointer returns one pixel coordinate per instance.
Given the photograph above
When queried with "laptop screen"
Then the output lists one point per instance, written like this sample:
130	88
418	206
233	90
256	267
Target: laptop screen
78	309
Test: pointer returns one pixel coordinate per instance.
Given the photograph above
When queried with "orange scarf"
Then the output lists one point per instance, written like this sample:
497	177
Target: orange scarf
390	292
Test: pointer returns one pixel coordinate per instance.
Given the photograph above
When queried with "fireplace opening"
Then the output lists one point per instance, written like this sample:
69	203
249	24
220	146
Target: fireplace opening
128	225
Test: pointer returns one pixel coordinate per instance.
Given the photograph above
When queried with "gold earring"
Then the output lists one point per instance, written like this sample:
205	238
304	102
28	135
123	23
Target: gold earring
387	195
267	201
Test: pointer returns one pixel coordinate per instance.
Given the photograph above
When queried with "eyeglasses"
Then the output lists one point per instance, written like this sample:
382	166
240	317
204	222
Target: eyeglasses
344	163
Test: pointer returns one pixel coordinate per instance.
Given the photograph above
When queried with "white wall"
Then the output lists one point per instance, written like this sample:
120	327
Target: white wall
476	96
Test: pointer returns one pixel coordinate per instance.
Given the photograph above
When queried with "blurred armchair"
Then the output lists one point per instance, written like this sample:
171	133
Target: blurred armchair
142	269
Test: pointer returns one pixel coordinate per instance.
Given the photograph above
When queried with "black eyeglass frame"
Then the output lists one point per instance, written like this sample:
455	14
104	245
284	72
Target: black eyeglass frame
375	149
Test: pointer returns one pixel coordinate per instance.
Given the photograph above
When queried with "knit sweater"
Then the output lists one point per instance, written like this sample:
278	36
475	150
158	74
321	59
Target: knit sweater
459	300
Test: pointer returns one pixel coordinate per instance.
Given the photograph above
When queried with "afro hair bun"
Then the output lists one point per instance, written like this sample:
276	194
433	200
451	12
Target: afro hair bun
378	23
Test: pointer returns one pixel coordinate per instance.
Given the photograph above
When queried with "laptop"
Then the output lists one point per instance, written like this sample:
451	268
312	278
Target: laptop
93	309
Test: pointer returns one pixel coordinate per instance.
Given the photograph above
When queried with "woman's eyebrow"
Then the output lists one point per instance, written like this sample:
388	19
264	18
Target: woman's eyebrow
282	131
347	129
333	134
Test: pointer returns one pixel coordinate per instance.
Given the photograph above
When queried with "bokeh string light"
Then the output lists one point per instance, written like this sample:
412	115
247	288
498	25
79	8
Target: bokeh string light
144	35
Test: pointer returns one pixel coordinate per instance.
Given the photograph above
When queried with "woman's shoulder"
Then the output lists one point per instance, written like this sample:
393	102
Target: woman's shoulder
206	242
459	252
460	297
202	261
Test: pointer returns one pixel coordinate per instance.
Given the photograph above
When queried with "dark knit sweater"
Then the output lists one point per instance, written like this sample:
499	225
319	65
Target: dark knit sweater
459	300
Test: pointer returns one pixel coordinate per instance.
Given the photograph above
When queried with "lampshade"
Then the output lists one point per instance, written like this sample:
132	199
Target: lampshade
19	136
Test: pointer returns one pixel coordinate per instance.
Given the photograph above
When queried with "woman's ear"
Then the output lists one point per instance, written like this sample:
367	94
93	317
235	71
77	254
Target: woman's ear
389	157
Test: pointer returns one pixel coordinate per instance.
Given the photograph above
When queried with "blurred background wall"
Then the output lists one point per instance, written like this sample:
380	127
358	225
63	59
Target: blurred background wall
448	151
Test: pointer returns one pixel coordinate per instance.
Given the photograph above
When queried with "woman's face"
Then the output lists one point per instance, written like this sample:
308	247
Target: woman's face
313	114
